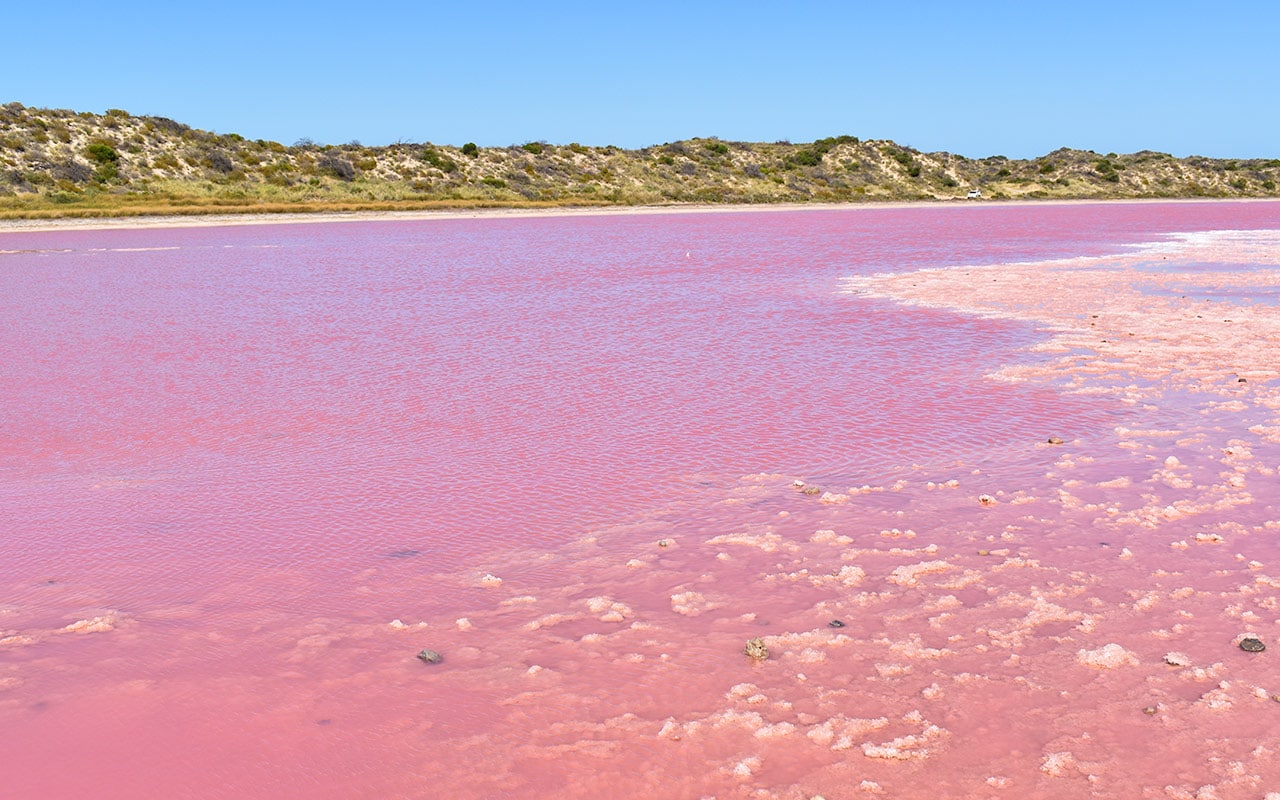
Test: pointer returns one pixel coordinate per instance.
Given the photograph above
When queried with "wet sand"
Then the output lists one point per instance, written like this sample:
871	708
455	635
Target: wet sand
218	220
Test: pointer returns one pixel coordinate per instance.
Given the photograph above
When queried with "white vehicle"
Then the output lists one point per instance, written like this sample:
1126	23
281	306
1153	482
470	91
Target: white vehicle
974	194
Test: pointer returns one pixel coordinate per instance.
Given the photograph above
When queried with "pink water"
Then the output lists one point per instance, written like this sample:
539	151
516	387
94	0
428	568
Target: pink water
249	472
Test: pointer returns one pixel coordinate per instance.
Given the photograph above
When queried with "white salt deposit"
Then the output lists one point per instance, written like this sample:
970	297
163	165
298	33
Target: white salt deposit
1108	656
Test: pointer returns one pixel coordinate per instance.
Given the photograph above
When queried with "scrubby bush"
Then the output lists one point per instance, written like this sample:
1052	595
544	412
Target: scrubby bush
336	166
470	149
752	171
220	162
497	183
73	171
719	148
532	147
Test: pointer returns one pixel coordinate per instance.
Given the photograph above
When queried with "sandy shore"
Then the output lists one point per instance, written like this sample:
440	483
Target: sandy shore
219	220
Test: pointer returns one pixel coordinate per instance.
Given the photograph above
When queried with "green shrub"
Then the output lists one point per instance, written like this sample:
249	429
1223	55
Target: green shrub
719	148
102	153
1047	167
532	147
497	183
438	160
577	148
470	149
808	157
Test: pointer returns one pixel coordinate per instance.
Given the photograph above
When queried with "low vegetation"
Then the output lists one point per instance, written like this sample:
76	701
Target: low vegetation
57	163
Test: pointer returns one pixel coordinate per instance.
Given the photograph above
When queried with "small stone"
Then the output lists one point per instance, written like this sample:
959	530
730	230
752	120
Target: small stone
1177	659
756	649
664	543
835	623
1242	380
986	500
1149	711
430	657
984	552
1054	440
1252	645
811	490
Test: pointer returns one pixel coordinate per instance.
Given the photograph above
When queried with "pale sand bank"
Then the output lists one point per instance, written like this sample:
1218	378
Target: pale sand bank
222	220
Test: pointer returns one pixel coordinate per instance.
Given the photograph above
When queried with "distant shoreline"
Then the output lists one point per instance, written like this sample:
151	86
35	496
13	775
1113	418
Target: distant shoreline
515	212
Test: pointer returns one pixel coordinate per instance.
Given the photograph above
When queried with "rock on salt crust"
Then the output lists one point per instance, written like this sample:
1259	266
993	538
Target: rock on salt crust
1109	656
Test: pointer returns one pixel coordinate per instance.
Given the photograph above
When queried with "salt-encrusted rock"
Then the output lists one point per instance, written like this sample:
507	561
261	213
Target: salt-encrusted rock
757	649
430	657
1252	644
835	623
1054	440
1177	659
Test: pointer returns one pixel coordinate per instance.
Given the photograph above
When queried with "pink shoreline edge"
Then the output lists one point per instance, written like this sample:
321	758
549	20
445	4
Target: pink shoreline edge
223	220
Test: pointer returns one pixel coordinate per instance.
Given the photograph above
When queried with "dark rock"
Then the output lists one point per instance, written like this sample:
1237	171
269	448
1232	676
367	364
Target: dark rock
1251	645
430	657
835	623
1054	440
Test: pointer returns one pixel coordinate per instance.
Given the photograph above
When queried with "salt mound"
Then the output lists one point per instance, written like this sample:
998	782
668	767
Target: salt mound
1107	657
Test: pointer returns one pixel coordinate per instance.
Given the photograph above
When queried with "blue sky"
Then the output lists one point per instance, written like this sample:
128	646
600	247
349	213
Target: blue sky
978	78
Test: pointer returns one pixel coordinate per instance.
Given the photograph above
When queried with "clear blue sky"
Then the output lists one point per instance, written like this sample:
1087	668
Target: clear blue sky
976	78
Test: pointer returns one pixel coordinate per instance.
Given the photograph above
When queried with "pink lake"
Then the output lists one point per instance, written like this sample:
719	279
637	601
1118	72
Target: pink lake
249	472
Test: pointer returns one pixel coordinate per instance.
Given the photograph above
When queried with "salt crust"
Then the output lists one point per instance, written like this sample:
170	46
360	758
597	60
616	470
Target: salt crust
1108	656
609	610
691	603
768	542
909	574
102	624
1058	764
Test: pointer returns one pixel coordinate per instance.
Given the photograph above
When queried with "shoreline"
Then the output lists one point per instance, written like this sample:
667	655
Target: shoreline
290	218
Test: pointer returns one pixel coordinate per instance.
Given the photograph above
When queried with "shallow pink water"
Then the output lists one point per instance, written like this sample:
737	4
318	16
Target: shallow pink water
239	454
